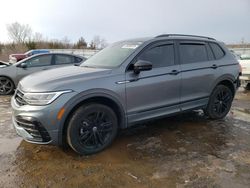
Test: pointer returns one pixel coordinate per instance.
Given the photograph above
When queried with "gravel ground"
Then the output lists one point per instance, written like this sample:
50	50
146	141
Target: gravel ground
187	150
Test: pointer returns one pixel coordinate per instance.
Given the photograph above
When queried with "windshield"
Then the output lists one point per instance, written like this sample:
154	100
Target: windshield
112	56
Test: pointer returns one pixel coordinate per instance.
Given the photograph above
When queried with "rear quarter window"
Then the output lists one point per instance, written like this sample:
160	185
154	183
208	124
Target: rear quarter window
217	51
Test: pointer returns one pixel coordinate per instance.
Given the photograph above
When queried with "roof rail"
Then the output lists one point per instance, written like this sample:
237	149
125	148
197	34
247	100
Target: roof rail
169	35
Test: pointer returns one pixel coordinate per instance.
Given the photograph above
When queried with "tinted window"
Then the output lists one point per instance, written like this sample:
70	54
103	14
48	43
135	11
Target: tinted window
218	52
210	53
191	53
64	59
159	56
44	60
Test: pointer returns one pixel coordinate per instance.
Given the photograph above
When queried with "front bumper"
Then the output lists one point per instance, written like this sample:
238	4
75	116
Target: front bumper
31	130
39	124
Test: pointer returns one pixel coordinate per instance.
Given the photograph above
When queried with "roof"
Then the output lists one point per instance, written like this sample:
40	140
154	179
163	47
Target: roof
172	36
185	36
57	53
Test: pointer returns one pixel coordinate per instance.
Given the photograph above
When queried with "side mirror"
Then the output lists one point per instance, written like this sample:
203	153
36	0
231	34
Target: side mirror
23	65
142	65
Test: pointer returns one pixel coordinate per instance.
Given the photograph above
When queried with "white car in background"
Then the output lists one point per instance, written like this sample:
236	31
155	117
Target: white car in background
245	64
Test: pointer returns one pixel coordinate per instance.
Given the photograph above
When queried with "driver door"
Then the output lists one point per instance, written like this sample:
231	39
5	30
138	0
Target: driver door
155	92
35	64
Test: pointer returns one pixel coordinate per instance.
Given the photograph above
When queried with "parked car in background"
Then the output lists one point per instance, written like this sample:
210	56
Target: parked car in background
11	74
124	84
245	65
37	51
13	58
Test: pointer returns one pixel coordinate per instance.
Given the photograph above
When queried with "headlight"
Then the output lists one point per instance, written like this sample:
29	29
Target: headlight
42	98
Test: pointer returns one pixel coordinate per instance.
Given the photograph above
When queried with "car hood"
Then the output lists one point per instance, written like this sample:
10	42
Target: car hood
4	64
60	78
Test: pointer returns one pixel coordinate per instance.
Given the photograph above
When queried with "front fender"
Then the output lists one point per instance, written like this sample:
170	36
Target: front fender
83	96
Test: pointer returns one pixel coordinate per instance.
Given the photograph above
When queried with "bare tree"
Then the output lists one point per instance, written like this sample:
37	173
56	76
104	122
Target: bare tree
81	43
66	42
96	41
19	33
38	37
99	42
103	43
92	45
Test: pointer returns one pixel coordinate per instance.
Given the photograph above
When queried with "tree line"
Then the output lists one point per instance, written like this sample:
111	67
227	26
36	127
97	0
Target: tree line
23	39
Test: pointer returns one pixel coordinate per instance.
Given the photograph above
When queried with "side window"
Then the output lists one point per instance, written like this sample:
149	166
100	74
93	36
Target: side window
159	56
209	53
44	60
64	59
192	53
218	52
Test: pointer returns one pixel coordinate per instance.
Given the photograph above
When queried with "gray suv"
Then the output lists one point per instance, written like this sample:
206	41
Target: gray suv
124	84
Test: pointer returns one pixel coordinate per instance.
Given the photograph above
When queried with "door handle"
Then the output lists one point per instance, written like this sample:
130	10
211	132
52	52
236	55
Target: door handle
214	66
174	72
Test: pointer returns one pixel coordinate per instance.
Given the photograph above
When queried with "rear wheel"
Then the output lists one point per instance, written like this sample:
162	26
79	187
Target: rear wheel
6	86
219	103
92	128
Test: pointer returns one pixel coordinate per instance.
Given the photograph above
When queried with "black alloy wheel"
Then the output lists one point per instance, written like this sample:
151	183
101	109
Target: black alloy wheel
92	128
220	102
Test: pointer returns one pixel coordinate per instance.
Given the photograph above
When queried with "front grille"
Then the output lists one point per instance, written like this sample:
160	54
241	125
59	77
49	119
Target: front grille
34	128
19	98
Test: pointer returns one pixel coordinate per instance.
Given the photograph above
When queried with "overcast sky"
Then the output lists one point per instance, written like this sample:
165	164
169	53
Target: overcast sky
226	20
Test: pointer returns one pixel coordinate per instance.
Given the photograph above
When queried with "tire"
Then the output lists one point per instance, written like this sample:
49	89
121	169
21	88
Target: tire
6	86
219	103
92	128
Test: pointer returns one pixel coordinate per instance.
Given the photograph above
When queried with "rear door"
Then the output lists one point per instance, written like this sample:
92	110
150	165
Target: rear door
35	64
156	92
197	73
65	60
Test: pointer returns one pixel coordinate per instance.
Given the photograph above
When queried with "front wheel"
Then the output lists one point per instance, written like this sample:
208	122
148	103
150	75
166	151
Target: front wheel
92	128
6	86
219	103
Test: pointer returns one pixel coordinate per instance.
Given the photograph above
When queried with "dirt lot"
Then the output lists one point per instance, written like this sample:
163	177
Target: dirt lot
183	151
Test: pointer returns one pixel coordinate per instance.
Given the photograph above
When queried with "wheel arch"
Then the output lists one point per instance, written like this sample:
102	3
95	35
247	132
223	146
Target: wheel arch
81	99
229	84
226	80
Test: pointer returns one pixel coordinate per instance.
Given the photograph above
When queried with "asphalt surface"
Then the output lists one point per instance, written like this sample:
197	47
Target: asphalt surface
187	150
